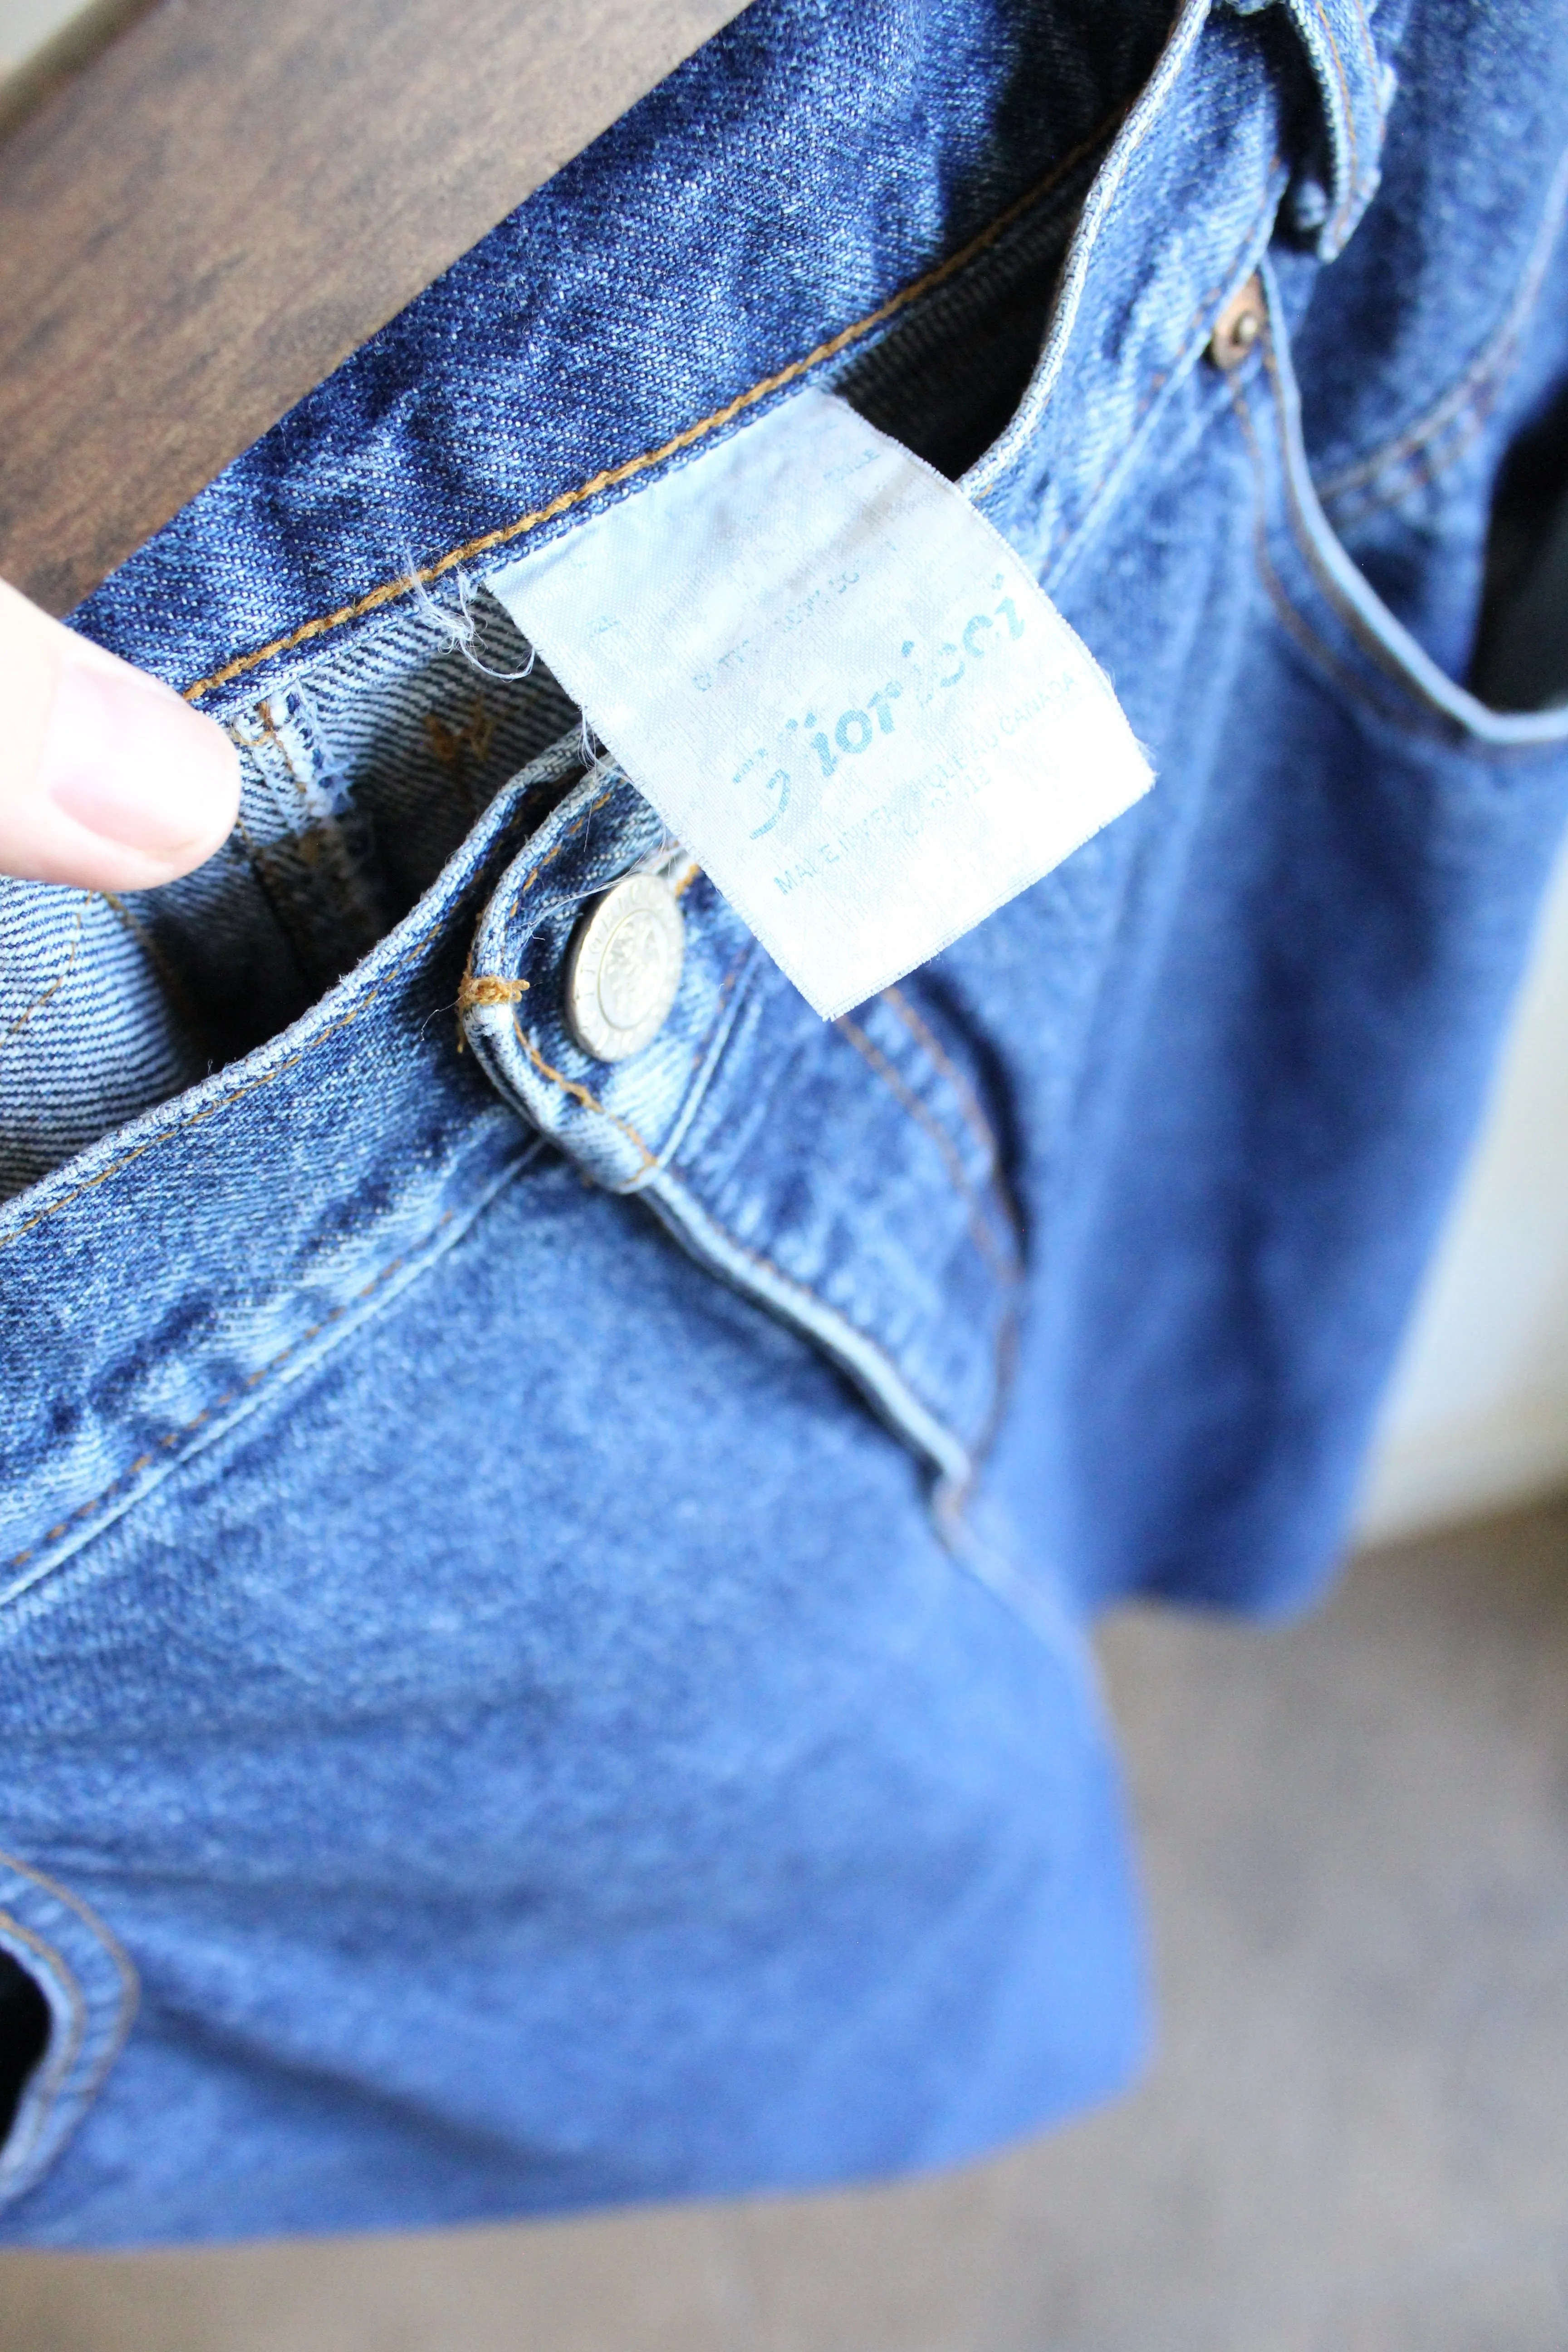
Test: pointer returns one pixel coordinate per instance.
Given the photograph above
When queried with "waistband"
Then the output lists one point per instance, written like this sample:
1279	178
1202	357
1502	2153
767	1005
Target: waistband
150	1289
794	193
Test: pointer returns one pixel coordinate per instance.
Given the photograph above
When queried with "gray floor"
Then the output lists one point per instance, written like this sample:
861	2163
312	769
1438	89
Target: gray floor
1356	2140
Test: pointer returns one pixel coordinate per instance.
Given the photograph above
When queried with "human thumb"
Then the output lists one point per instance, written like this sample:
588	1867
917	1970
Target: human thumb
107	779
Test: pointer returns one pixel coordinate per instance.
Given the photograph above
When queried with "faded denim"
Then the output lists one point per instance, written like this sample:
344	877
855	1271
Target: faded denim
541	1647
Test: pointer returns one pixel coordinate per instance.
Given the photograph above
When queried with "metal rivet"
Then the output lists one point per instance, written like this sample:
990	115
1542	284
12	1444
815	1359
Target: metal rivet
624	968
1239	326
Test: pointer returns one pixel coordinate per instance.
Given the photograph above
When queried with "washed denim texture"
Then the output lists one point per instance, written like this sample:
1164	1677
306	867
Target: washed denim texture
542	1625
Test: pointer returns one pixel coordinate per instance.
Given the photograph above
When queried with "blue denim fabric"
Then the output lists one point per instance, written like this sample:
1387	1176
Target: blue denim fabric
541	1613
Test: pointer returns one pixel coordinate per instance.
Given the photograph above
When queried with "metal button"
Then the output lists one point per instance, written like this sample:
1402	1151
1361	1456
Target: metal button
624	968
1239	326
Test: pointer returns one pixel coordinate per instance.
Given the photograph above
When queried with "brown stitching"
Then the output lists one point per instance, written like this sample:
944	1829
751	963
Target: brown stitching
60	1969
754	1257
271	737
1301	631
551	854
803	1290
1004	1266
1364	26
1365	636
1465	406
59	982
266	1078
693	874
448	743
579	1093
129	1982
968	1100
1163	376
487	989
163	973
1468	400
612	476
451	744
757	1257
699	1051
1004	1366
1428	463
1355	188
252	1379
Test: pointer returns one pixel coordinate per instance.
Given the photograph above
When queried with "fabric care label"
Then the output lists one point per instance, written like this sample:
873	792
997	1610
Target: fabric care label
838	686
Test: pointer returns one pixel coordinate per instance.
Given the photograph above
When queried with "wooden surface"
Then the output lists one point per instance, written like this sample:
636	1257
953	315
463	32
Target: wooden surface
230	197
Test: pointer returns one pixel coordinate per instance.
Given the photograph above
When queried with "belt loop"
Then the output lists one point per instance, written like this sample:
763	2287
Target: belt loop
1357	90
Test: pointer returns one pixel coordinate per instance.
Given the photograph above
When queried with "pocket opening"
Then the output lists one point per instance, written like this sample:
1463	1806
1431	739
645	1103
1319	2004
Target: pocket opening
1521	644
24	2036
1339	617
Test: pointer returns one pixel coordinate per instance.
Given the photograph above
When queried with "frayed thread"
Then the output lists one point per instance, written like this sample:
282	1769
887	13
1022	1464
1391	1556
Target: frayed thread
461	624
488	988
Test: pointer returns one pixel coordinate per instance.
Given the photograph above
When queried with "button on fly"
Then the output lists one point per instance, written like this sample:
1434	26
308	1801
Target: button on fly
624	968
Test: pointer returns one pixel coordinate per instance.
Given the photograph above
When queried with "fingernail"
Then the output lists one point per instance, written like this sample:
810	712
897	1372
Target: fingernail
131	762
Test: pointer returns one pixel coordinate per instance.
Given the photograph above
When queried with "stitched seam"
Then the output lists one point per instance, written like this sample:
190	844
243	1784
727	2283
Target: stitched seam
166	1134
271	738
252	1380
1473	385
699	1051
58	980
974	1119
753	1256
1414	713
1353	176
1364	634
129	1981
968	1102
551	854
1425	464
125	1968
579	1093
1456	407
1073	531
803	1290
652	1161
124	1965
1005	1363
1300	630
331	883
163	971
1003	1267
611	477
1364	26
66	1976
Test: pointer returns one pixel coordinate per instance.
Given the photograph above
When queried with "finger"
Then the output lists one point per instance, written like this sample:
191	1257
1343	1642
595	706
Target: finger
107	779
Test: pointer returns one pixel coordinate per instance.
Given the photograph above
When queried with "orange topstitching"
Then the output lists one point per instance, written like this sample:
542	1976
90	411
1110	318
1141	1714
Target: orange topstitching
188	1428
611	477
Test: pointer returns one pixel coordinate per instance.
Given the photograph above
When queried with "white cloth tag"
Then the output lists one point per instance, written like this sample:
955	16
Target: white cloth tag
838	686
